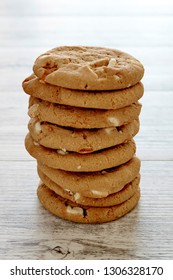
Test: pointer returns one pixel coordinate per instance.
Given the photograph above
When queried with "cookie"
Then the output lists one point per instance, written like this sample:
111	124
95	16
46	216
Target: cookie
88	68
110	200
71	161
79	117
94	184
81	141
86	99
68	210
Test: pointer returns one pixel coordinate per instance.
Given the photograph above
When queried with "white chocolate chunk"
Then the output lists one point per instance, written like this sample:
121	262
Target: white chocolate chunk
38	128
108	130
36	144
112	62
79	167
76	196
100	62
62	152
74	210
103	172
113	121
70	192
117	77
99	193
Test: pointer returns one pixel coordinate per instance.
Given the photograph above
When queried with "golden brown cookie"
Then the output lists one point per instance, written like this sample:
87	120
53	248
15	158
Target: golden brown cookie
71	161
88	68
81	141
68	210
110	200
80	117
94	184
86	99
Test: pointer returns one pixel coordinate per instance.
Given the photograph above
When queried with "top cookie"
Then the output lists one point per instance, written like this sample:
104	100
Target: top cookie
88	68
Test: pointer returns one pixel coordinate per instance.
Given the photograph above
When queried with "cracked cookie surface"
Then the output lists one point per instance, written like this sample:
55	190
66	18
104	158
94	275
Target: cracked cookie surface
88	68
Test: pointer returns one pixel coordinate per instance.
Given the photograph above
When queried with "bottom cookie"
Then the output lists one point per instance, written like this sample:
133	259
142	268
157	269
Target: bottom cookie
68	210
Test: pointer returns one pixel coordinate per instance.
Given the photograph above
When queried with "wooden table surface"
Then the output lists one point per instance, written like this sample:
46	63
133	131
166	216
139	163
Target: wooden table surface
142	28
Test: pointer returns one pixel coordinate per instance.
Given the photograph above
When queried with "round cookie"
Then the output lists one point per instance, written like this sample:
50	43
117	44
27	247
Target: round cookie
70	161
88	68
81	141
68	210
85	99
80	117
94	184
110	200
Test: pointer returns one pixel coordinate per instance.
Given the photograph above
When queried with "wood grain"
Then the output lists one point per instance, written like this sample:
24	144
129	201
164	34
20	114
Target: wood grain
29	231
142	28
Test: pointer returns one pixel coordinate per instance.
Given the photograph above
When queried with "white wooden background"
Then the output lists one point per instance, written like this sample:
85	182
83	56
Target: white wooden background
142	28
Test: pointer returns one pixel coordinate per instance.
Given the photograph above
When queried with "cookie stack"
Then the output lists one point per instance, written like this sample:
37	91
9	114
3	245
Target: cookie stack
84	114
